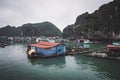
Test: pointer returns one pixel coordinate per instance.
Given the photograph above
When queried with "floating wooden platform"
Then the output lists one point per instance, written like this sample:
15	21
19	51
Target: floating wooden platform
68	52
102	56
78	51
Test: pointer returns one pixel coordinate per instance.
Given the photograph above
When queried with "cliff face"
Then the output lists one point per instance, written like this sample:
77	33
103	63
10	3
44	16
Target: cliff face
103	23
37	29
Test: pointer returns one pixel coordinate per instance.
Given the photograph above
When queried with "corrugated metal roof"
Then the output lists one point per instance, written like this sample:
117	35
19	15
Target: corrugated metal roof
48	43
45	45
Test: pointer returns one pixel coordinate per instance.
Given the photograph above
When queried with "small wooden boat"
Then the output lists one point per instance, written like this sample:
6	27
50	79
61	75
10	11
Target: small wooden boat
2	45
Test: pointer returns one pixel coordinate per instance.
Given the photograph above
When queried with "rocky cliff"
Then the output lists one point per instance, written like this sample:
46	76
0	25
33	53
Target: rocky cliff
29	29
102	23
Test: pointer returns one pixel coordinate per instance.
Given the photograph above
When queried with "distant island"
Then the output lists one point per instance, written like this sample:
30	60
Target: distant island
103	23
29	29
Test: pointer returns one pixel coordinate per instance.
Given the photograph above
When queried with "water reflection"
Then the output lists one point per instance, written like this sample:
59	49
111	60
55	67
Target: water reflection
47	62
14	61
104	69
107	68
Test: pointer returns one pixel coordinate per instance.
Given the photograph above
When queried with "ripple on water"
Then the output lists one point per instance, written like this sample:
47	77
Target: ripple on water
15	64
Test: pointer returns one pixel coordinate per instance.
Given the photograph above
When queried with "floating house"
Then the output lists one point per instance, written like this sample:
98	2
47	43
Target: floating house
86	44
114	49
46	49
116	43
114	46
44	39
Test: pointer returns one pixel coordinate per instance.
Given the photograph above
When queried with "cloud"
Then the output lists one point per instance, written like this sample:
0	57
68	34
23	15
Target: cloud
59	12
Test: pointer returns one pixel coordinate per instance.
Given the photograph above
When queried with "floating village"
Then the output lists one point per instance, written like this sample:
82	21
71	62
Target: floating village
46	47
60	40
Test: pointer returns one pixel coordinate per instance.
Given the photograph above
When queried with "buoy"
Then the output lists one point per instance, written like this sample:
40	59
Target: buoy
31	52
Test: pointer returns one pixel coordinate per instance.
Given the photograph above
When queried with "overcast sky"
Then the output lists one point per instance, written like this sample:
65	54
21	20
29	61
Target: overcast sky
59	12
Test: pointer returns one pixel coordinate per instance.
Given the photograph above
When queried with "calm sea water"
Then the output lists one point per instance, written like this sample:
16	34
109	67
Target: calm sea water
15	65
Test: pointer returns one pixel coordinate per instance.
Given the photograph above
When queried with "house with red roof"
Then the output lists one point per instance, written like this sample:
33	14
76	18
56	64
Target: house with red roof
46	49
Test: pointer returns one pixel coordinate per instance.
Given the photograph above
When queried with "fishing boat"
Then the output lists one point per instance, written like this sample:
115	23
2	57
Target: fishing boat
46	49
3	45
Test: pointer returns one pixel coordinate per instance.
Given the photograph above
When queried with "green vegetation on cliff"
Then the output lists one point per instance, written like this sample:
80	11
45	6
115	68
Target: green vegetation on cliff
36	29
103	23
